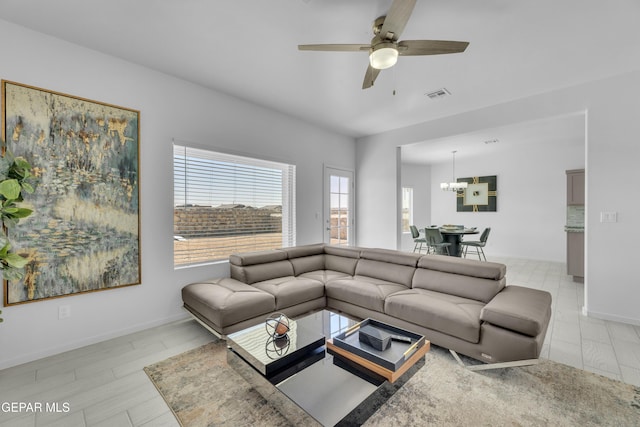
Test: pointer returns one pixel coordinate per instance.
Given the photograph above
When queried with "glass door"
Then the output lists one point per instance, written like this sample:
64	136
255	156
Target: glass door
339	219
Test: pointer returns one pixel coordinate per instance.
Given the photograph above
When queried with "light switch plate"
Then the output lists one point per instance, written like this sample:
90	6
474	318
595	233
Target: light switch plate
608	216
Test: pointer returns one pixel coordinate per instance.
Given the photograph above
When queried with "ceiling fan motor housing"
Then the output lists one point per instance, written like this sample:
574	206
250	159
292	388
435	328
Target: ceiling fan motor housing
377	25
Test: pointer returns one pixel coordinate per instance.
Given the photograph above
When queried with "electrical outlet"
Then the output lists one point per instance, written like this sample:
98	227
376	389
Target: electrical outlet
64	311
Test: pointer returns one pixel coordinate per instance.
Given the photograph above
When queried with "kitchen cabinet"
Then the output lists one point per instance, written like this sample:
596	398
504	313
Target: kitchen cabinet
575	187
575	224
575	255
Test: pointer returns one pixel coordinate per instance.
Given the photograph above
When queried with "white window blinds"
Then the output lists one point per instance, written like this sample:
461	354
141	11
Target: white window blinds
226	204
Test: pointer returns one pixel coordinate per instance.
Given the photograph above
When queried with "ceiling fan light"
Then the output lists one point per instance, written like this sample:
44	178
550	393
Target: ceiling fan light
383	56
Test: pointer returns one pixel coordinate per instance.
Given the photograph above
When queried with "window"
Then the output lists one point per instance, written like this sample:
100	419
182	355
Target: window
226	204
340	224
407	208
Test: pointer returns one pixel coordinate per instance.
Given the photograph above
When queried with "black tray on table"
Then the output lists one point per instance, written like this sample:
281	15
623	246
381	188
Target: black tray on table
393	357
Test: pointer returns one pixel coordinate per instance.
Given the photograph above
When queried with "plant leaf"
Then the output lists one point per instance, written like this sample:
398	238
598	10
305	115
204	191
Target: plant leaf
22	163
10	189
10	273
22	213
5	249
27	187
16	261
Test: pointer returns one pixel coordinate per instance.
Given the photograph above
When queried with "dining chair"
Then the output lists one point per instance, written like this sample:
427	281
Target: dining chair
417	239
435	241
477	244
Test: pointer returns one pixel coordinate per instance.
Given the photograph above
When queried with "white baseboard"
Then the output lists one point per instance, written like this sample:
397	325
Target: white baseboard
610	317
42	353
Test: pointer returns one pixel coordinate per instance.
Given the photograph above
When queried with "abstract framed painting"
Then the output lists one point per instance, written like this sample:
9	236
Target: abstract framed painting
479	196
84	233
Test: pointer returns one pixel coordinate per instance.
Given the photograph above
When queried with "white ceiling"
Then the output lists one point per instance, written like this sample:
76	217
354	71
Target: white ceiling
248	48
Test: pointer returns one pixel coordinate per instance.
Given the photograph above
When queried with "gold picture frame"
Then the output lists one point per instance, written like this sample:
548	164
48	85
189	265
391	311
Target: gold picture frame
84	233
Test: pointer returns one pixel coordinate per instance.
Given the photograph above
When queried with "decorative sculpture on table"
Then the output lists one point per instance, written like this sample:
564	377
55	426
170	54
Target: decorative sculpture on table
277	326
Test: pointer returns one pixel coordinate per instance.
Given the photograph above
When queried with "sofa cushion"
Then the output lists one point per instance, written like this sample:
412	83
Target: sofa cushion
466	267
307	263
289	291
341	258
304	251
343	251
261	272
386	271
342	264
260	257
325	276
227	301
365	292
395	257
519	309
449	314
476	288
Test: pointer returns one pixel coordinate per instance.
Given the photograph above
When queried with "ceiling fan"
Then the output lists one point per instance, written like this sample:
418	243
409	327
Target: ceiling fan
385	48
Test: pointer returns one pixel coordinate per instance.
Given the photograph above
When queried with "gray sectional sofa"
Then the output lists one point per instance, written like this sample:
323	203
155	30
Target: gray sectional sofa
459	304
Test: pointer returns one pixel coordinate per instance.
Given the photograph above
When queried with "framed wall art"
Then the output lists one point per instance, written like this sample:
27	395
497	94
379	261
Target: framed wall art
84	233
479	196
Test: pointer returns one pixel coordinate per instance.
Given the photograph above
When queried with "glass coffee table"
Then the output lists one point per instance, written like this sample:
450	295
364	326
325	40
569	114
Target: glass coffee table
305	382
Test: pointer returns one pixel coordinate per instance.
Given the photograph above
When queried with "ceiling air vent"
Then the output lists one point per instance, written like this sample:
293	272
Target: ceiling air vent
437	94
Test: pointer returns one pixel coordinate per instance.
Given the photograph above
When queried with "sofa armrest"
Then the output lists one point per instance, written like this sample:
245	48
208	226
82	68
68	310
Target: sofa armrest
519	309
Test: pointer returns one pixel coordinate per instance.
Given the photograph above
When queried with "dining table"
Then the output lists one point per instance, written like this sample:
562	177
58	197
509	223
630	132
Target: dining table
455	236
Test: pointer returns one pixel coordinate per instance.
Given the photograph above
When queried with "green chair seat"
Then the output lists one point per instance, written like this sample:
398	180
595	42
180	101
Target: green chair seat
436	241
477	244
419	242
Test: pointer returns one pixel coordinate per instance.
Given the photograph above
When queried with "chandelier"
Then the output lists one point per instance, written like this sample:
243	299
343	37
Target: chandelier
453	185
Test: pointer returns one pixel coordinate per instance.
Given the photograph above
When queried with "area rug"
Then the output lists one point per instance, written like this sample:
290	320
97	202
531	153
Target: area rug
202	390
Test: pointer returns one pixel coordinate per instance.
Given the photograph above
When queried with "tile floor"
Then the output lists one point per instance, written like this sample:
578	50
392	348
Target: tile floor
104	384
607	348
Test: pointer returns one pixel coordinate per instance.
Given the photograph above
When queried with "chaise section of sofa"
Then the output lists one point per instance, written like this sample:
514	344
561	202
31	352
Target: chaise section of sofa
226	305
463	305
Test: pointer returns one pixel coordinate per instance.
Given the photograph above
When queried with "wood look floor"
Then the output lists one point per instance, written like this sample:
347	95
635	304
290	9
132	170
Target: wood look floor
104	384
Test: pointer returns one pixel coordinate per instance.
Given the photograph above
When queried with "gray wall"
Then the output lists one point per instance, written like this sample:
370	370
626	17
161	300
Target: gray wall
611	107
169	108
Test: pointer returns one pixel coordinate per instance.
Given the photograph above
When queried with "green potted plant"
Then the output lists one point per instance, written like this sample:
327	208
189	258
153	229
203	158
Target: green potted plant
15	178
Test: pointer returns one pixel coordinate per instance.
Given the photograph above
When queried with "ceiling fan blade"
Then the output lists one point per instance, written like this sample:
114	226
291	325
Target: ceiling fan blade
396	19
336	47
430	47
370	77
